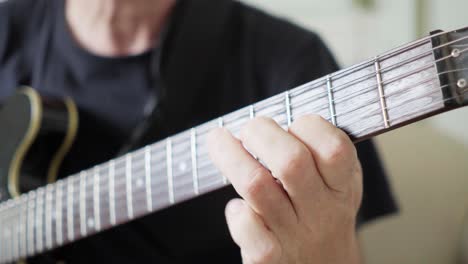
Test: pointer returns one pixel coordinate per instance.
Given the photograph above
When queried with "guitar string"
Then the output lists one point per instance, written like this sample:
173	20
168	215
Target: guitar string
390	54
118	161
137	168
91	231
370	63
122	207
422	42
142	198
87	181
187	146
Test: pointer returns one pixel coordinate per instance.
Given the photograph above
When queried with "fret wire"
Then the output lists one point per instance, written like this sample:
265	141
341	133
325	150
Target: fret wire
128	175
31	209
251	112
383	103
11	234
220	122
169	169
6	232
15	232
58	213
83	224
96	199
111	175
2	239
48	217
193	143
330	100
70	215
149	198
39	212
22	225
288	108
2	226
221	125
24	237
19	227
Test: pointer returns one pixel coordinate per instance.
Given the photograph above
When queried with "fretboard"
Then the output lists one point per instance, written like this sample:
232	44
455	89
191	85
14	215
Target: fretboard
364	100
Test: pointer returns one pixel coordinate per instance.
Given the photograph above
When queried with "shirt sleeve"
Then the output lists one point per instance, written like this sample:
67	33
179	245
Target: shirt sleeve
291	56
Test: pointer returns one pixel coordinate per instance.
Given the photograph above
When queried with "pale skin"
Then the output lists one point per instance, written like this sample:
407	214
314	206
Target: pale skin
303	208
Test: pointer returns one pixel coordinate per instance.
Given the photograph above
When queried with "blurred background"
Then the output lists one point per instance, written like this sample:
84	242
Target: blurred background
427	161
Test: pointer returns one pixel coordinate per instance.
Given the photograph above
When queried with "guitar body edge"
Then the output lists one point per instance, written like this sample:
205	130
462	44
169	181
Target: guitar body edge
38	133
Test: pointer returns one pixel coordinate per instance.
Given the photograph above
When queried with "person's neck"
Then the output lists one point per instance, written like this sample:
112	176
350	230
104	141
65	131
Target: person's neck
117	27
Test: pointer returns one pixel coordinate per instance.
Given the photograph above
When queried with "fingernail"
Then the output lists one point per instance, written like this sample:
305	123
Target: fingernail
235	206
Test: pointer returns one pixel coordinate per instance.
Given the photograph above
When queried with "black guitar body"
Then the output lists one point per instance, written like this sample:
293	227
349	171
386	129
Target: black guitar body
35	135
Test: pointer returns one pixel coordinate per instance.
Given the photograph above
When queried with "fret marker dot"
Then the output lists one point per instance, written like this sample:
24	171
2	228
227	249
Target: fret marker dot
455	53
90	222
461	83
139	183
182	166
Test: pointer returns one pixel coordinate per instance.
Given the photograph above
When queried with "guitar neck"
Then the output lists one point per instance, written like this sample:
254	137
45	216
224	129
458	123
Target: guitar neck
375	96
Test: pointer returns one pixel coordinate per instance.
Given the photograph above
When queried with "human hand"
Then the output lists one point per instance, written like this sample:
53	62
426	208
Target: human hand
308	213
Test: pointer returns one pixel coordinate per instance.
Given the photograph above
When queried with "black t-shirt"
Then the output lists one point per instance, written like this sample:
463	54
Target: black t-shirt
216	57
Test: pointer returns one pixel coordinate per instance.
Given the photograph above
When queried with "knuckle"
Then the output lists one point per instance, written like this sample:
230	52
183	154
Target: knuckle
298	158
338	148
267	254
256	185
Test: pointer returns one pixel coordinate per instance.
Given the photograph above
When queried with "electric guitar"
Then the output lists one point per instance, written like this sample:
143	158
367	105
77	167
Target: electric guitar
409	83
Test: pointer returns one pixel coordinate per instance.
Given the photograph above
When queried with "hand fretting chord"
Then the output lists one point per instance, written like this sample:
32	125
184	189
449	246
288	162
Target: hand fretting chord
128	175
149	199
96	199
331	103
383	104
170	183
193	144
